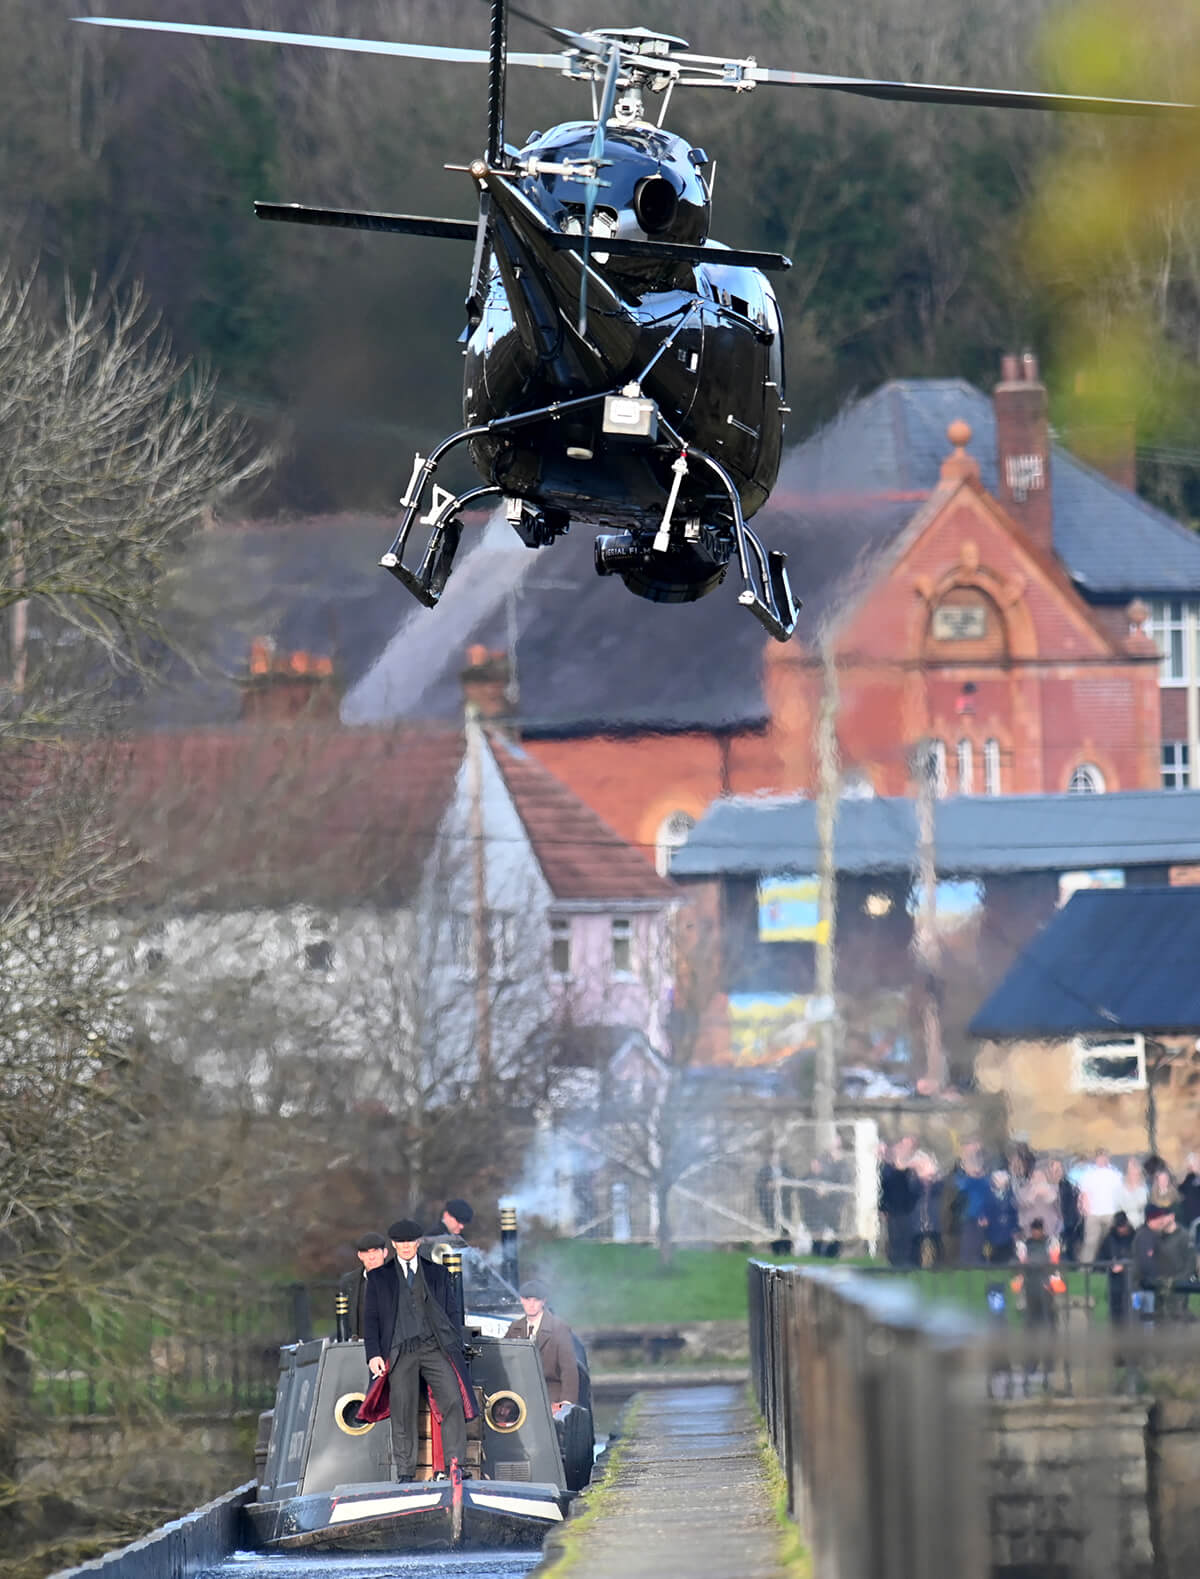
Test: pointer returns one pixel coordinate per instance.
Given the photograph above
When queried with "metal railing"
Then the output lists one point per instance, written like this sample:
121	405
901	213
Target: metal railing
913	1450
219	1356
850	1374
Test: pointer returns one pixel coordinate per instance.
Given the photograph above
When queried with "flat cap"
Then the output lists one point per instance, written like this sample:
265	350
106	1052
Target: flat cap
404	1230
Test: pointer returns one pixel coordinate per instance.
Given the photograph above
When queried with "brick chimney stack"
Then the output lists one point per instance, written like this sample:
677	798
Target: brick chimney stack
486	684
1023	448
280	688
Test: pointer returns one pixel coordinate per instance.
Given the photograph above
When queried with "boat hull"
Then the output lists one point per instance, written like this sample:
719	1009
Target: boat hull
409	1516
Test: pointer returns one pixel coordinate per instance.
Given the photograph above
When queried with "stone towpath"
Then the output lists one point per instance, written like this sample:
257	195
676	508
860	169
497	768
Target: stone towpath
687	1496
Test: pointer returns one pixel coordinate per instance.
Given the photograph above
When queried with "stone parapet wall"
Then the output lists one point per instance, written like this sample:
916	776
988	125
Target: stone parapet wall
1173	1472
1067	1488
179	1550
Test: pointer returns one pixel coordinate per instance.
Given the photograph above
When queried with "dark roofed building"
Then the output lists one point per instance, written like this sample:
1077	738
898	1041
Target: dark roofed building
974	836
1118	960
1004	864
1093	1036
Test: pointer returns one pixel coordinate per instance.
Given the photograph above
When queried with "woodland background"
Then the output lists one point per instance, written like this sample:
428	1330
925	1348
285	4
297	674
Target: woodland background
925	240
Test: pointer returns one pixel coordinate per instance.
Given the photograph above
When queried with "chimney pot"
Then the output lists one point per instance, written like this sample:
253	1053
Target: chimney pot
280	688
485	683
1009	369
1029	367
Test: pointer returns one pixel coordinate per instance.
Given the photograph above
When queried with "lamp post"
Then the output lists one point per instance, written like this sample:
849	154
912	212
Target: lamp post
927	769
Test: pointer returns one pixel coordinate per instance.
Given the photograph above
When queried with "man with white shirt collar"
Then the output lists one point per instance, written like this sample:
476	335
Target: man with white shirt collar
411	1330
554	1341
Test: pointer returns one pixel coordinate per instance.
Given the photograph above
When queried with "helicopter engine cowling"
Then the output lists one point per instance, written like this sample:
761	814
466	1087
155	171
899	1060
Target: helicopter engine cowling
651	187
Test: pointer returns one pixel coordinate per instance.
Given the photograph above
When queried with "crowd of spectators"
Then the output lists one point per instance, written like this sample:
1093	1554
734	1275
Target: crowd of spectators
1138	1222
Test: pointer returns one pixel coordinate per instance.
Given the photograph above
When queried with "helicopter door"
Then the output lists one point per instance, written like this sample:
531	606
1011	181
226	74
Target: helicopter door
731	402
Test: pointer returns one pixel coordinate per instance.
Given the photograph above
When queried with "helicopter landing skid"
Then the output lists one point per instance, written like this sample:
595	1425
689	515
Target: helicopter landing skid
768	594
428	581
766	591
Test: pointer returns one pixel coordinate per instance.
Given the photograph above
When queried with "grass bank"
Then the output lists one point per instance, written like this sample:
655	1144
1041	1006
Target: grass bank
601	1285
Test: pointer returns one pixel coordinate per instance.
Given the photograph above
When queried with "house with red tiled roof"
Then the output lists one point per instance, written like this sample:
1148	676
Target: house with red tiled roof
608	909
409	903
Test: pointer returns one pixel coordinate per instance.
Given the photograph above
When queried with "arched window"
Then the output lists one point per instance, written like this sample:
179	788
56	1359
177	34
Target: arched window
966	768
1087	779
991	767
936	767
673	832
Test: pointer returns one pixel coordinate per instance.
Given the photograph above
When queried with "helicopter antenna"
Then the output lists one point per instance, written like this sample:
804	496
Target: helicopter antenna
498	49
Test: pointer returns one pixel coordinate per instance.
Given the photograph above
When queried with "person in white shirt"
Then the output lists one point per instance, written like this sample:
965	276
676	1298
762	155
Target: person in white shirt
1134	1193
1100	1187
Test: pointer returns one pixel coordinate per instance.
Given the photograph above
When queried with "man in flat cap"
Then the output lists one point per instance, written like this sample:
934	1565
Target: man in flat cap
554	1340
456	1215
411	1330
372	1250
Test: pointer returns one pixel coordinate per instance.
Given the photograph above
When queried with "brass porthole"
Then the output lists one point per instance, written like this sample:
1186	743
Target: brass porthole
345	1415
505	1412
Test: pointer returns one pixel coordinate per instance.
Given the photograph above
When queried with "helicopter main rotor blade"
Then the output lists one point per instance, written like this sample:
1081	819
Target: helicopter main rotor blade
356	46
607	100
354	219
984	98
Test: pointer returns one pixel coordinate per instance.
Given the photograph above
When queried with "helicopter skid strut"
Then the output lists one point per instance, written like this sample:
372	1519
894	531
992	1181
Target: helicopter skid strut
766	591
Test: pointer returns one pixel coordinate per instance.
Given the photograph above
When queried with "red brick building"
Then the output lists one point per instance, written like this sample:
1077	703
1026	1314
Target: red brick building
980	588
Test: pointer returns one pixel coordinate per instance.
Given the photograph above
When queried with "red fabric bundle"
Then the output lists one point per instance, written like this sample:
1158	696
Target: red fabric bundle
376	1405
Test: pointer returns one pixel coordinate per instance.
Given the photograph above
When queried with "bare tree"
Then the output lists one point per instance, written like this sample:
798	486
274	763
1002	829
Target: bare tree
109	452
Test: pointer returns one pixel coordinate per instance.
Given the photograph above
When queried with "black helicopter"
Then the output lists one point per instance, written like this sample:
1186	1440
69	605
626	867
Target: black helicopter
623	369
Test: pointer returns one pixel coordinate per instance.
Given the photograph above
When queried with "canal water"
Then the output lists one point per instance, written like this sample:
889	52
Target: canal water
389	1565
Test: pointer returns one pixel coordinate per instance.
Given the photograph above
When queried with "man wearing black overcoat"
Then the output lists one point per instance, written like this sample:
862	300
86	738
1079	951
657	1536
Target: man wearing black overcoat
411	1327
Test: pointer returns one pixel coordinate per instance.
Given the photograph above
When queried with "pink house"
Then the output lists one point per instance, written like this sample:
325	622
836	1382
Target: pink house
607	913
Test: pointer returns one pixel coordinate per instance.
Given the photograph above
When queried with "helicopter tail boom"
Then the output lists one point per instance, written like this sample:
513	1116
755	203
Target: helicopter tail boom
465	230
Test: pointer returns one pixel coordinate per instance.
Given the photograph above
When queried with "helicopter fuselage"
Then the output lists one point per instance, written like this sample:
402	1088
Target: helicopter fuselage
702	340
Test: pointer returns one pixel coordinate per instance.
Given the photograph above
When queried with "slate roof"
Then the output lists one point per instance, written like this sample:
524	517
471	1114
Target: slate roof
1112	543
592	657
315	814
581	857
314	585
973	835
1116	960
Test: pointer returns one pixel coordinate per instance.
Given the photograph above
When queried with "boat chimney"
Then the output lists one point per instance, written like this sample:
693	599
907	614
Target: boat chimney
452	1263
510	1265
342	1307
